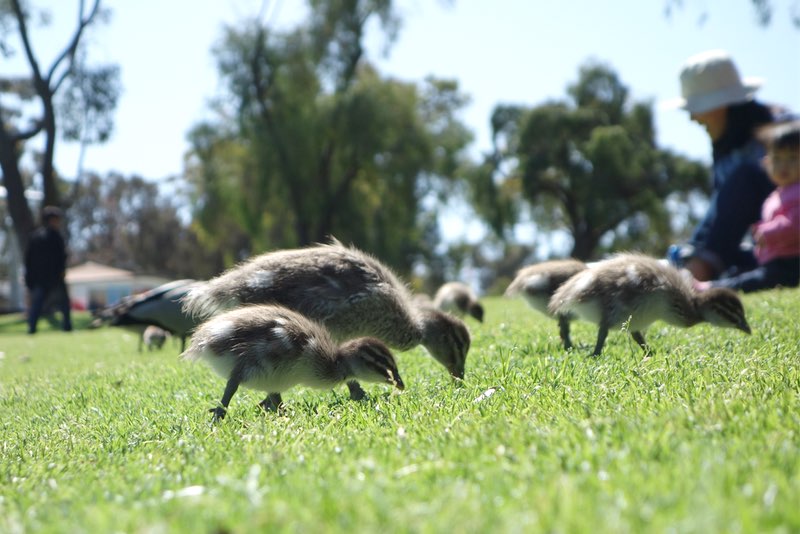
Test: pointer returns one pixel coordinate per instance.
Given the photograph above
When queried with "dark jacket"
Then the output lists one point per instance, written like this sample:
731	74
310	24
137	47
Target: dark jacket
45	259
740	187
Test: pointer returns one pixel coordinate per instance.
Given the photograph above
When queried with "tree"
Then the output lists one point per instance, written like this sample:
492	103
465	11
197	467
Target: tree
19	124
128	223
588	165
764	10
311	141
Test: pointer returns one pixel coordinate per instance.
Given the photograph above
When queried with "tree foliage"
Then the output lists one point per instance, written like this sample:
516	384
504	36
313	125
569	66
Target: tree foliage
589	165
92	90
310	141
764	10
126	222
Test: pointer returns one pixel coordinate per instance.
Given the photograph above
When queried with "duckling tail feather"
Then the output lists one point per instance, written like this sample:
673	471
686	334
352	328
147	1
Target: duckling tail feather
201	302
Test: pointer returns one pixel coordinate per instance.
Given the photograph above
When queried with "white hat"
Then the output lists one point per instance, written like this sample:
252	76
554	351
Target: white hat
710	80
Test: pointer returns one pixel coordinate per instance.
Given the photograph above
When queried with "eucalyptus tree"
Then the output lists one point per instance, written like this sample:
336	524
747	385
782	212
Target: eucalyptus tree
310	140
588	165
29	105
129	222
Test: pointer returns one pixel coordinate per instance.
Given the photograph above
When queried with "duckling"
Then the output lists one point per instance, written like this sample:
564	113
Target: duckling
538	282
153	338
457	298
160	306
350	292
639	289
271	348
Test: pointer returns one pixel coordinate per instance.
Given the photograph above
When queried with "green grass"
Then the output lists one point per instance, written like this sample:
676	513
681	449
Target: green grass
702	437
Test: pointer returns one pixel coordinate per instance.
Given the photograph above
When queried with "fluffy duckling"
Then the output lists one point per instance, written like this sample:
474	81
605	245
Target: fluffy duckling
271	348
636	288
351	293
537	283
160	306
153	338
458	299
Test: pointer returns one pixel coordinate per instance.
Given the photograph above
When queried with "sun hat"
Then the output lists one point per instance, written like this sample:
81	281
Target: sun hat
710	80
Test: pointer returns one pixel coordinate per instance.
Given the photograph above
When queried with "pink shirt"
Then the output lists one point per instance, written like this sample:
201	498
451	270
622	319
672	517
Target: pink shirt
779	228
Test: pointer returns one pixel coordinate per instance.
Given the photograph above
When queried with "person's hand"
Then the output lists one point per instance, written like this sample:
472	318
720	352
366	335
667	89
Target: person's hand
701	286
701	270
758	237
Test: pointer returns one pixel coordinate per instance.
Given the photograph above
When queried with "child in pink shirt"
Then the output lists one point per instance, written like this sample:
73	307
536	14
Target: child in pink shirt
777	234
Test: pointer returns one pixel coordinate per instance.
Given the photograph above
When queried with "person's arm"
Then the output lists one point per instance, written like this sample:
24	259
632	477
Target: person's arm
783	230
734	207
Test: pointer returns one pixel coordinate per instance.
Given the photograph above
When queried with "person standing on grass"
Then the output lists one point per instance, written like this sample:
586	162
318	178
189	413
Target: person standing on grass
723	103
777	234
45	270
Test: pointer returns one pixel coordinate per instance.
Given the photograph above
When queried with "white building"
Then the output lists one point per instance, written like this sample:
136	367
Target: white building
93	285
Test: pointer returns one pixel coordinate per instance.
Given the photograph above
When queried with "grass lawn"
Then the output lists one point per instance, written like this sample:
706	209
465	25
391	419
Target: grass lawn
702	437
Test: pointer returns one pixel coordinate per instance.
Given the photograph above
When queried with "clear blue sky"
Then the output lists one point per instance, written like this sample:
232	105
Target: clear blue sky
503	51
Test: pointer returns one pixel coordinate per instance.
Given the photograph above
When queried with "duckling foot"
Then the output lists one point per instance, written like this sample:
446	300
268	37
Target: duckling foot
639	338
563	330
602	333
356	392
219	414
272	403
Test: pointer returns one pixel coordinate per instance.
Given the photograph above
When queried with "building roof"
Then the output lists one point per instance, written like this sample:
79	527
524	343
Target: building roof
97	272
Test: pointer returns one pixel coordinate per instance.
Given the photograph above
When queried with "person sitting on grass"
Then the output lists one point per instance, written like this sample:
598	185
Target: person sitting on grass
724	103
777	234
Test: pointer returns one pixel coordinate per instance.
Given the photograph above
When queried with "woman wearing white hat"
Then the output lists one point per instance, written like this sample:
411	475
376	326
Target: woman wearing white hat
718	99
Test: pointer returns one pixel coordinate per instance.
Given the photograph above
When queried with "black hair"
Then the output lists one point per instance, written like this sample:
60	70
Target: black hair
742	122
788	139
51	212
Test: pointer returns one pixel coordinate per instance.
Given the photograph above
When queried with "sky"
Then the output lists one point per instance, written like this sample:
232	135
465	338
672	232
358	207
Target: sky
500	51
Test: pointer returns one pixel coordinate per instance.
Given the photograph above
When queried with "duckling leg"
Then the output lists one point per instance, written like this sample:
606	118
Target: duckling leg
602	332
230	389
356	392
272	402
563	327
638	337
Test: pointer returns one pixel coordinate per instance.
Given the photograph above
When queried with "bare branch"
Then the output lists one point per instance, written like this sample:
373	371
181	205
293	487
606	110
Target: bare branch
26	43
72	47
27	134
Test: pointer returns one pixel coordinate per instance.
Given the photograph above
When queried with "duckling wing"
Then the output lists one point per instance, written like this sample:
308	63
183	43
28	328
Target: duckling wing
580	288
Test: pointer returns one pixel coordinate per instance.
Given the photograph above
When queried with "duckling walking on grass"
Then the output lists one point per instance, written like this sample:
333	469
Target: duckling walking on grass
351	293
271	348
537	283
640	290
153	338
458	299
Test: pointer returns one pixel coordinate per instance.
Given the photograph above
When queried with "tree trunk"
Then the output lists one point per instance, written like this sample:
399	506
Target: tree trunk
585	244
18	207
49	185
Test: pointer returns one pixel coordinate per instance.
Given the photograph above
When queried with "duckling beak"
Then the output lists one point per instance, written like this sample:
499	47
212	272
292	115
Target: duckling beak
457	373
398	383
744	327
